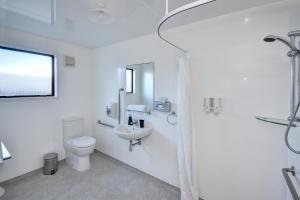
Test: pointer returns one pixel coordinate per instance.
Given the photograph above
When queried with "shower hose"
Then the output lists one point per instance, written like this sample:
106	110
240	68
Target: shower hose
286	137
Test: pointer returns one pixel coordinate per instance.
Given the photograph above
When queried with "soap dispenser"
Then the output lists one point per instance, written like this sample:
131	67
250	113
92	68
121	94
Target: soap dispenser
130	121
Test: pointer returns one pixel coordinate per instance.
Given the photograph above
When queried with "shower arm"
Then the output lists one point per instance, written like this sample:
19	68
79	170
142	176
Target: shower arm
175	12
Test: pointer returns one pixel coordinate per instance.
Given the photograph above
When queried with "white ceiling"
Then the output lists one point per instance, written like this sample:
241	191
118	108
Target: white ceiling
135	18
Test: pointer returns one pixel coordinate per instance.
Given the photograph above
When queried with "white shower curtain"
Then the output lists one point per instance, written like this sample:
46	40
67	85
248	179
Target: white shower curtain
185	137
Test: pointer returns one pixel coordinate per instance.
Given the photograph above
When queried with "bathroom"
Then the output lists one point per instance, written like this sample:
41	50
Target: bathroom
216	81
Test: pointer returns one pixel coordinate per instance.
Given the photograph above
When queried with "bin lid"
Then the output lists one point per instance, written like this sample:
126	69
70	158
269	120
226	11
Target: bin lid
50	156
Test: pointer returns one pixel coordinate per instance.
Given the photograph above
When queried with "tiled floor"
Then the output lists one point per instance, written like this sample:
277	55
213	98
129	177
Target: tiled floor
108	179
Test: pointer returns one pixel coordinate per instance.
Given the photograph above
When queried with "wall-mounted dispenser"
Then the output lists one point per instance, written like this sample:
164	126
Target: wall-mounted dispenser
112	110
162	105
212	104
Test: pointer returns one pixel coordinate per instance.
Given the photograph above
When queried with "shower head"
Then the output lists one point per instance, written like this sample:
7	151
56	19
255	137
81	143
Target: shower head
269	39
273	38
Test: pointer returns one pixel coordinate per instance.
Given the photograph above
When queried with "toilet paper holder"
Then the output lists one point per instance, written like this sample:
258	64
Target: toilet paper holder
112	110
108	110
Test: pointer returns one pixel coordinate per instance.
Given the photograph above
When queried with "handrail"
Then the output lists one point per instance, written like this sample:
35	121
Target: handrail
105	124
119	102
290	184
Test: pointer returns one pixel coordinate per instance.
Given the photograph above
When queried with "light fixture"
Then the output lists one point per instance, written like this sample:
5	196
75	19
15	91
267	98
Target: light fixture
110	11
246	19
101	14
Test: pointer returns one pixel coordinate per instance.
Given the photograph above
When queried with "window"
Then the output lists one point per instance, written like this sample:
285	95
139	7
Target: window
130	83
26	74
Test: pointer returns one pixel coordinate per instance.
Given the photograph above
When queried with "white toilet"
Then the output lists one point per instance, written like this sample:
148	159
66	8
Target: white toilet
78	147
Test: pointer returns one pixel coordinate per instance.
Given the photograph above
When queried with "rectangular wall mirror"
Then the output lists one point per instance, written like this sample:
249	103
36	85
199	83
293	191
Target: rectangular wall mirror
140	87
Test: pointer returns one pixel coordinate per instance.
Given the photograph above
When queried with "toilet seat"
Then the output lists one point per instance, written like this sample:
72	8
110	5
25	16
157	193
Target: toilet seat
83	142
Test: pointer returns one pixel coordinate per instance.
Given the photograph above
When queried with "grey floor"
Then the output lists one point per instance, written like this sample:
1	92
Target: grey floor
108	179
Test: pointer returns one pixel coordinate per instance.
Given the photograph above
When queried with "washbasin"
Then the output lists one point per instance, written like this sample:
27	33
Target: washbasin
132	132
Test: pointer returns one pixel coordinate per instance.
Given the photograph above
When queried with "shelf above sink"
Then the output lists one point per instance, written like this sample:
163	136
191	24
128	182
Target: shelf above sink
282	122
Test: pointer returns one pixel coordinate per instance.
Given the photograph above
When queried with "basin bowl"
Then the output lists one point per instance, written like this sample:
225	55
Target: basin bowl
132	132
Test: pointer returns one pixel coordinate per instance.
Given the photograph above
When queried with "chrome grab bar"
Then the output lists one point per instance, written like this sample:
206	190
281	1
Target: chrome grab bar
290	184
105	124
119	102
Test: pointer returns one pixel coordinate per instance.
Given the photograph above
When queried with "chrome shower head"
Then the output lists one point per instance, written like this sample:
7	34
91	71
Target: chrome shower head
269	39
273	38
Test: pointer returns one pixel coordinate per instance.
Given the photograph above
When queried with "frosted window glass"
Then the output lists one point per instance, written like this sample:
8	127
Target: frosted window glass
25	73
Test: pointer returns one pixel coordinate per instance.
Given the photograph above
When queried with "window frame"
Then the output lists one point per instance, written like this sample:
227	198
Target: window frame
53	70
132	81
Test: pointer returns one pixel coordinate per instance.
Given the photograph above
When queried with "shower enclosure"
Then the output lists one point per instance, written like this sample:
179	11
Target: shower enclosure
186	182
292	120
294	54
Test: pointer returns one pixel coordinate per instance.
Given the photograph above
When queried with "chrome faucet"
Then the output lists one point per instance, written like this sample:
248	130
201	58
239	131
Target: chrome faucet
135	122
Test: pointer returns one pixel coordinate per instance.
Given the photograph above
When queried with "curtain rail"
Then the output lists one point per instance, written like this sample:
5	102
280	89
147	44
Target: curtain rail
175	12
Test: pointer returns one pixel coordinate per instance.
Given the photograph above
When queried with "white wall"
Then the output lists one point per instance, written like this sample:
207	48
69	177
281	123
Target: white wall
32	127
238	156
157	155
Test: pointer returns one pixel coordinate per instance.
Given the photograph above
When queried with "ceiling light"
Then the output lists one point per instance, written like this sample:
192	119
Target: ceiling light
101	14
247	19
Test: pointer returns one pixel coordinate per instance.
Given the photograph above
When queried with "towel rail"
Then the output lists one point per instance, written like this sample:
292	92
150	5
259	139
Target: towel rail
290	184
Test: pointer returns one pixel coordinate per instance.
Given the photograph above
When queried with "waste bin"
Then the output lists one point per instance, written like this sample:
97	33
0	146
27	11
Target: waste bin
50	163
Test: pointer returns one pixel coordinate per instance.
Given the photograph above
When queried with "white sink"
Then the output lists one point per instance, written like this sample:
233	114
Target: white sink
132	132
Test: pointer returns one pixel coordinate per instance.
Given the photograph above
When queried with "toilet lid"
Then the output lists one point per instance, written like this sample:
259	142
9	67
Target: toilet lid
84	141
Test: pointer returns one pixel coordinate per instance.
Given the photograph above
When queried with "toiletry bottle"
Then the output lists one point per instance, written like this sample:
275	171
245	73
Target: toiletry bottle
142	123
130	121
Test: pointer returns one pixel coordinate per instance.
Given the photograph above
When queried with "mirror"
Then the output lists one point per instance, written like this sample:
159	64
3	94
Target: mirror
140	87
